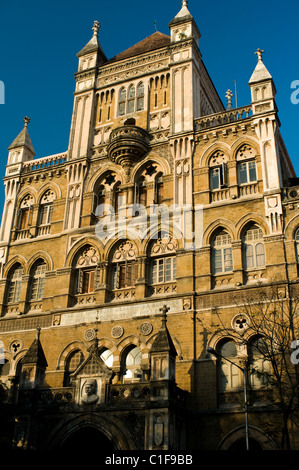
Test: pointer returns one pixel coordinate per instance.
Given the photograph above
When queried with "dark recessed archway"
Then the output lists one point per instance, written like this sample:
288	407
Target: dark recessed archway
87	438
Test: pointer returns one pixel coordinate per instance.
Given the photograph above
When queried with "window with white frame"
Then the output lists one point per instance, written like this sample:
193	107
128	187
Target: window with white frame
253	247
15	284
247	172
222	257
131	100
38	277
229	375
163	259
218	170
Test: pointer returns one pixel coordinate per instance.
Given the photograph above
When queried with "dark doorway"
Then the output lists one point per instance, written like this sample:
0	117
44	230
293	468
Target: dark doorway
85	439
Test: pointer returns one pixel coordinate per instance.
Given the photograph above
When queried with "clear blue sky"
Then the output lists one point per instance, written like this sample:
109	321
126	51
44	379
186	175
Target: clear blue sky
39	41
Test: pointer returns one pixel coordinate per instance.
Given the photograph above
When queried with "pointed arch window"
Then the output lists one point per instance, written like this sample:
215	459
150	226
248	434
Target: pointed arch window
38	278
141	192
74	360
158	189
253	247
222	258
132	365
163	260
45	212
124	266
86	269
24	214
229	375
15	284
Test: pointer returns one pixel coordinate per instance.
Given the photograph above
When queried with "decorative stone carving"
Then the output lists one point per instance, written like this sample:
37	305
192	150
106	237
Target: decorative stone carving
89	256
146	328
27	201
240	323
163	245
49	196
89	334
246	151
15	346
117	331
89	392
125	251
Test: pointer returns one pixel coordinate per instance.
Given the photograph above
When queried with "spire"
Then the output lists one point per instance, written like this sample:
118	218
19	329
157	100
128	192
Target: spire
229	96
188	28
23	139
163	341
93	45
260	72
35	354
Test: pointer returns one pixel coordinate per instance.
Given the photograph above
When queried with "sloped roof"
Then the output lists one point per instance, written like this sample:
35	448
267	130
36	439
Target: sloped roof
155	41
35	354
22	140
260	73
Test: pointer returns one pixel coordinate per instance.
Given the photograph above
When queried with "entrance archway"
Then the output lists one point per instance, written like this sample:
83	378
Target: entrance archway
87	438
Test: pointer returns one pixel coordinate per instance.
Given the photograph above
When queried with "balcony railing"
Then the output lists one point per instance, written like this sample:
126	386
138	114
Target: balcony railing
222	118
45	162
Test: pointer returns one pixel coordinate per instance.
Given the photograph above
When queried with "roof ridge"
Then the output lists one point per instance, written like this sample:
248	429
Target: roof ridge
150	43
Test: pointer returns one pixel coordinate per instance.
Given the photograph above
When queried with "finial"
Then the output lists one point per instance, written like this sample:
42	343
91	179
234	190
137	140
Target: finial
38	329
229	95
26	121
185	3
164	311
259	53
96	27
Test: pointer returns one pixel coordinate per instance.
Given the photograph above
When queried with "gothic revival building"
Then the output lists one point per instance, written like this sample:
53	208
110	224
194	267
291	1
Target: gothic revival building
165	205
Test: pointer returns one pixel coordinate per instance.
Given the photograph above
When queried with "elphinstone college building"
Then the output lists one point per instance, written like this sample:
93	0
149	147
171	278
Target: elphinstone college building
115	254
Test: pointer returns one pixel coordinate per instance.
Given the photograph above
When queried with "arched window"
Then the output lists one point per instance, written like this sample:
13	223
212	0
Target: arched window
132	365
107	357
24	214
163	260
260	366
118	198
73	361
218	170
222	258
37	284
253	247
122	102
229	375
124	266
86	267
140	97
141	192
131	100
247	172
45	212
158	189
15	283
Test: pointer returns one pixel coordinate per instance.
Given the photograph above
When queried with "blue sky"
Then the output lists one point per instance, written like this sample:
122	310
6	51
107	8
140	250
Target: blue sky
39	42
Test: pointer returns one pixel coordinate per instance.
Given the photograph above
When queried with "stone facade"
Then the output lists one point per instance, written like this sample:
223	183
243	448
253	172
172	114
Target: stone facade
118	251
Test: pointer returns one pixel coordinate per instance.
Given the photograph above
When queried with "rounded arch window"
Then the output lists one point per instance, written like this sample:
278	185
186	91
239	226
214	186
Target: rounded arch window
163	259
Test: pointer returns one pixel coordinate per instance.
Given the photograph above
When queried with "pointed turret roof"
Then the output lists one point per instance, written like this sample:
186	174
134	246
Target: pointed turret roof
163	341
152	42
183	15
35	354
260	72
93	45
23	139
